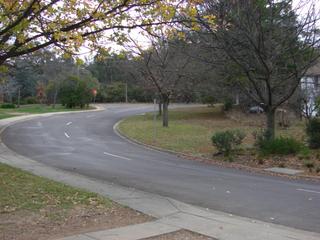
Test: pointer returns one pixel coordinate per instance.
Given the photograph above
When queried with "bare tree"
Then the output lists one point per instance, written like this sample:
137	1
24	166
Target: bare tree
263	47
164	67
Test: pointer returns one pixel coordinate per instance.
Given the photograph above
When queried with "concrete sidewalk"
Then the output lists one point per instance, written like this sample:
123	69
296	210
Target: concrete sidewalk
171	215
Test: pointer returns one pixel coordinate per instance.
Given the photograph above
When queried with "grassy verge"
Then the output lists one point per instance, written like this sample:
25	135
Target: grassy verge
23	191
33	207
33	109
190	131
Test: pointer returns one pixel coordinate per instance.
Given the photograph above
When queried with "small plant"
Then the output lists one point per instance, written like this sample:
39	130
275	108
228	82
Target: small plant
31	100
8	105
281	165
309	164
304	154
318	170
280	146
227	141
208	99
259	137
227	104
313	133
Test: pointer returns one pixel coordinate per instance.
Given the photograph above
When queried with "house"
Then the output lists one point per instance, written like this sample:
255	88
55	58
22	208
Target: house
310	90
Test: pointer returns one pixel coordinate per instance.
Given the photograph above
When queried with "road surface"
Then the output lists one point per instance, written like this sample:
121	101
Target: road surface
87	144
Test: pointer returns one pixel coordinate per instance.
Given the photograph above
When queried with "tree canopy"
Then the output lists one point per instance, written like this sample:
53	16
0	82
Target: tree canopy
30	25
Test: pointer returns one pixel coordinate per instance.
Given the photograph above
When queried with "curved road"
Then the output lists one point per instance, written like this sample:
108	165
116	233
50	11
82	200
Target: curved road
86	143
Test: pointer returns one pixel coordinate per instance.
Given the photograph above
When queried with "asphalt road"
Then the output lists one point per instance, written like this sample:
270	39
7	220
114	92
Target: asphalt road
86	143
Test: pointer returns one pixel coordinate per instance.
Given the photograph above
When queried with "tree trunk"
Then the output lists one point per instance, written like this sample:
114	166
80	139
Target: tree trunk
270	131
19	96
55	98
160	108
165	116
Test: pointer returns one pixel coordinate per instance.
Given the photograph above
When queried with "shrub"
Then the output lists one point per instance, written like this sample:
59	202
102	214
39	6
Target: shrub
227	141
76	92
304	153
313	133
8	105
280	146
208	99
31	100
227	104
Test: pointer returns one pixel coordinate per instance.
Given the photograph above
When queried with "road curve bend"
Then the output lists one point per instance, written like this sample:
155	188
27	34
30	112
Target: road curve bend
85	143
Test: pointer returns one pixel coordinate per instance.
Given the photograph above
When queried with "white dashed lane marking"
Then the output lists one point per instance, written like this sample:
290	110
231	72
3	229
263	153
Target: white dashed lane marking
66	134
69	123
117	156
307	190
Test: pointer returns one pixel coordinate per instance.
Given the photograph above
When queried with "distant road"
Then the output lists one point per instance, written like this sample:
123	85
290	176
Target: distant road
86	143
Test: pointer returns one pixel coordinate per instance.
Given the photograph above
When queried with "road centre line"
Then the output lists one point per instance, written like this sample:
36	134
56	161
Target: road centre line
66	134
117	156
307	190
69	123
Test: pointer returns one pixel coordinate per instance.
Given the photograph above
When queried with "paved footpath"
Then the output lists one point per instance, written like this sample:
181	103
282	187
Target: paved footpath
171	215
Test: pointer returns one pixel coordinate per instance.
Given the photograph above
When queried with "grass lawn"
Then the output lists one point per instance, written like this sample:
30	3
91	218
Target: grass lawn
33	207
32	109
190	131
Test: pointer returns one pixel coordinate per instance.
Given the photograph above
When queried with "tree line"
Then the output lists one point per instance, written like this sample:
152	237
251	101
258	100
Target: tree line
257	50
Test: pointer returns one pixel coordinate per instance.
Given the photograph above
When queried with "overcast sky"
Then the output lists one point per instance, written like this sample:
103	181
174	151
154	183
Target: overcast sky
301	6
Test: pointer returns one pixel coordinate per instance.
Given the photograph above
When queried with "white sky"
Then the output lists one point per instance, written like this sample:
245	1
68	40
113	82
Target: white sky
301	6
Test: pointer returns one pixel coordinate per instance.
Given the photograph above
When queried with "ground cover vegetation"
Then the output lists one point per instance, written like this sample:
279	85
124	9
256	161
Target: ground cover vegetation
215	136
33	207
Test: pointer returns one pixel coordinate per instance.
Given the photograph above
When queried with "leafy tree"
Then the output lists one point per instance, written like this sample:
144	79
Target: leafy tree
262	47
30	25
77	92
115	92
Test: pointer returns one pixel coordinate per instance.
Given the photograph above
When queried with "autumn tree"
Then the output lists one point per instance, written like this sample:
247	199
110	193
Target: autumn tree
30	25
263	47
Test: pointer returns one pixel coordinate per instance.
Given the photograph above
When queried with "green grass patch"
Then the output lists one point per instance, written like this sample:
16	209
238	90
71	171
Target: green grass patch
190	129
24	191
34	109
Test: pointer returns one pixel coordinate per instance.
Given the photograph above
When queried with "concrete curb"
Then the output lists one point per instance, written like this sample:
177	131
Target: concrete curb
171	214
202	159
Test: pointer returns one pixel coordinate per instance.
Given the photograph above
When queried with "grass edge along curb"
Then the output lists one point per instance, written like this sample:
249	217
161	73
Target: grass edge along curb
206	160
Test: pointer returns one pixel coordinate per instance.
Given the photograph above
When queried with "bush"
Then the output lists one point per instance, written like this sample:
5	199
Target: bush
227	104
280	146
208	99
227	141
313	133
31	100
8	105
76	92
